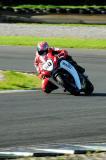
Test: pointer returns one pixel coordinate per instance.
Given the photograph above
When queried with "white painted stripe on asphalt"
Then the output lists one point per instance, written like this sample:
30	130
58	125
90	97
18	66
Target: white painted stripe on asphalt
63	151
92	147
25	154
18	91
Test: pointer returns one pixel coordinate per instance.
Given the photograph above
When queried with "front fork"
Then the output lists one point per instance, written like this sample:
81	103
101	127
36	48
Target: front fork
56	79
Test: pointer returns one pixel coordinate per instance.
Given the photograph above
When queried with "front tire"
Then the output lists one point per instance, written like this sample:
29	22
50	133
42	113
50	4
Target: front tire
67	85
89	88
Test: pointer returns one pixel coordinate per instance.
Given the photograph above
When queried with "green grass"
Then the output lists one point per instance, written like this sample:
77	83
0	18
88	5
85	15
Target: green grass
63	24
17	80
54	6
57	42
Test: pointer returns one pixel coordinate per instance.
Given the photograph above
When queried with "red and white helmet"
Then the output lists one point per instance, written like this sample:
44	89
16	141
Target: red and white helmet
42	48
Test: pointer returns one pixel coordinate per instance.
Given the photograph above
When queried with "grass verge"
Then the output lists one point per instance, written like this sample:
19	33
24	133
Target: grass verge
17	80
55	6
54	41
63	24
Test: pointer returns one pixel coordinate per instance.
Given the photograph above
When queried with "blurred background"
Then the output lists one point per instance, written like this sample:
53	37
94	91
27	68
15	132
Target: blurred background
27	10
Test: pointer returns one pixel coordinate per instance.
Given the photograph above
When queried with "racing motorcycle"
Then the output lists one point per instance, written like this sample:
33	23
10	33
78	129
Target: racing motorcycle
63	74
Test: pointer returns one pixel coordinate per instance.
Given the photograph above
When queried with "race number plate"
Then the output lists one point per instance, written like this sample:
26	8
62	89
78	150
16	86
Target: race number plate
48	65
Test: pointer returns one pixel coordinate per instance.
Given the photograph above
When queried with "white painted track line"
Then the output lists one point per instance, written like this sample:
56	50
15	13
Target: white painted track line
18	91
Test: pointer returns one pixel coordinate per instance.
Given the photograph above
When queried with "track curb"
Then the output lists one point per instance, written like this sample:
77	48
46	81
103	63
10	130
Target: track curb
18	91
50	151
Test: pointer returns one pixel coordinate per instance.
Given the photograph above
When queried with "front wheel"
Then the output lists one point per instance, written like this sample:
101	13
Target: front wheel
89	88
67	85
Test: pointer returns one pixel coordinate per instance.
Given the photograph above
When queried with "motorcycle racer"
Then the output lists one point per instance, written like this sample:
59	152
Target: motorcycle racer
41	54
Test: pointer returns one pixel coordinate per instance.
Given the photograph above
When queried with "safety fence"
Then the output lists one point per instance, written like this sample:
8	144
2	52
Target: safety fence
57	10
54	2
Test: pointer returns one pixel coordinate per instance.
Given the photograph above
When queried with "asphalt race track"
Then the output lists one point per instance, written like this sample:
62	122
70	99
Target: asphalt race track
34	118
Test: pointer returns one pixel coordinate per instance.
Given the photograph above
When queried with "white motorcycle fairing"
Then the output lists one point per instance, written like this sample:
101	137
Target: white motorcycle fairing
48	65
70	68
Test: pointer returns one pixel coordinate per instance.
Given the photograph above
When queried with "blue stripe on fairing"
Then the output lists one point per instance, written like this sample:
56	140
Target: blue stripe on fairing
70	68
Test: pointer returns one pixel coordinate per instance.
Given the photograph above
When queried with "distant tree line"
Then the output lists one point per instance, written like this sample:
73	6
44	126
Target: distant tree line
54	2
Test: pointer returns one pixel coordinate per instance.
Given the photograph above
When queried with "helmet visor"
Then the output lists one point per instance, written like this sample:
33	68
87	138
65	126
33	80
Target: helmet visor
42	52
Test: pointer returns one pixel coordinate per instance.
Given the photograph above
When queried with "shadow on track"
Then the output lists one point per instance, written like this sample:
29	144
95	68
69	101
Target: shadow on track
93	95
99	94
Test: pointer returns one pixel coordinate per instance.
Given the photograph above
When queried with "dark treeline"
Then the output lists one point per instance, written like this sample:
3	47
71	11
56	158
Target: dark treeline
54	2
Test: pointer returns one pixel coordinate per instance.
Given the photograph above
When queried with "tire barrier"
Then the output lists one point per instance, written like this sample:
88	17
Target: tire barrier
90	10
